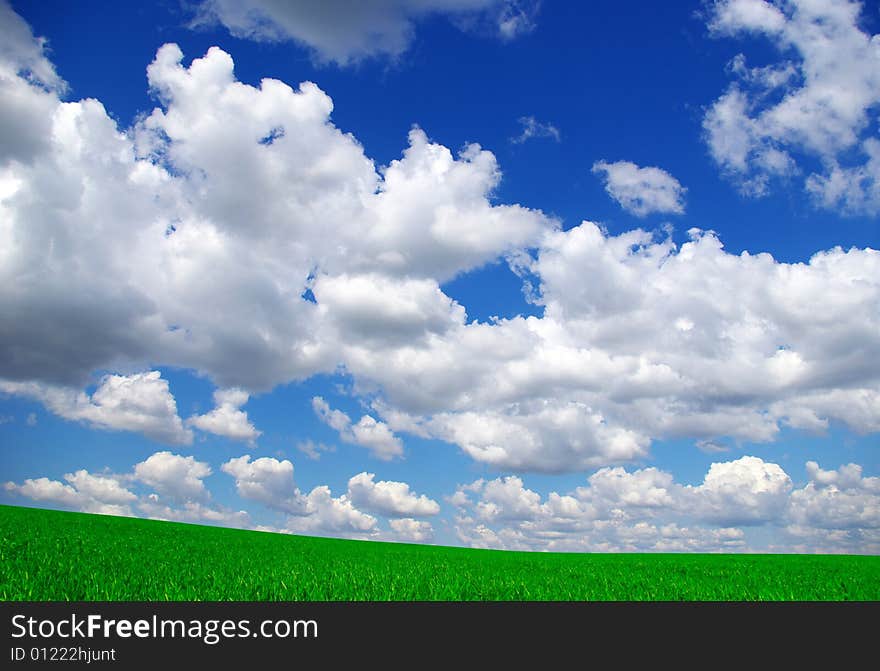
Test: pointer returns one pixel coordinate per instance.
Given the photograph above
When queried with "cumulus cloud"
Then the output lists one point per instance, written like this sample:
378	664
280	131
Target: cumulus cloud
644	488
368	432
100	488
646	510
86	492
334	516
346	32
237	232
546	435
746	491
212	217
641	191
23	53
376	437
175	476
383	310
141	402
179	492
854	188
532	128
840	499
389	498
615	509
662	342
409	530
227	419
433	217
44	489
28	88
819	101
267	481
507	499
271	482
754	15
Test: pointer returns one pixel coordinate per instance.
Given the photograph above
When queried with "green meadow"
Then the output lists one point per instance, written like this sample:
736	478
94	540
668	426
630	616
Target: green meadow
51	555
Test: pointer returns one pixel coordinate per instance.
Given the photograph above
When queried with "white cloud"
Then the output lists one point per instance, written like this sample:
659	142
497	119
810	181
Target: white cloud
711	446
846	477
662	342
345	32
31	419
644	488
646	510
546	435
376	437
101	494
532	128
44	489
432	217
28	88
195	512
641	191
746	491
840	499
615	510
368	432
188	240
175	477
820	102
268	481
507	499
326	515
100	488
141	402
389	498
227	419
206	233
385	310
335	419
23	53
313	450
409	530
856	189
271	482
752	15
516	17
178	477
809	540
858	408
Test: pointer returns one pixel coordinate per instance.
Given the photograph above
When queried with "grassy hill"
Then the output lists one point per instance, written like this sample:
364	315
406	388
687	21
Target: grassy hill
51	555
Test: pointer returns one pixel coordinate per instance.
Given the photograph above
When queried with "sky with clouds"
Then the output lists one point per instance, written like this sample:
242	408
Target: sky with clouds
494	273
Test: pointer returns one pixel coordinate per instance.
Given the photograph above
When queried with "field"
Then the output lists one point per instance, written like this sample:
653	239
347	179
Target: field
50	555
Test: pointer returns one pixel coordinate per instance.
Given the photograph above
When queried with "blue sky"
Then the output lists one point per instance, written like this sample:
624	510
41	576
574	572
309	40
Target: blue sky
504	274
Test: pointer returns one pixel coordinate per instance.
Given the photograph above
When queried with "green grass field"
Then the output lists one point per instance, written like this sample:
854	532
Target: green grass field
50	555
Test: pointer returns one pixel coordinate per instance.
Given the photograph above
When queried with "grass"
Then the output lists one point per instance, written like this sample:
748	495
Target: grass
52	555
